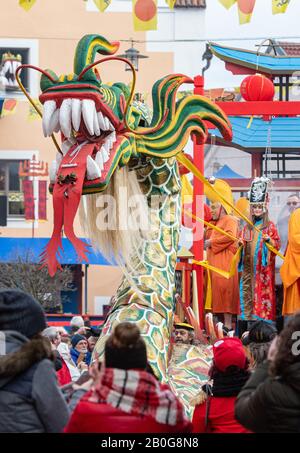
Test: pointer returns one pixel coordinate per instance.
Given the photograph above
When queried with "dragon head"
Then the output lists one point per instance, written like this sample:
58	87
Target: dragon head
86	110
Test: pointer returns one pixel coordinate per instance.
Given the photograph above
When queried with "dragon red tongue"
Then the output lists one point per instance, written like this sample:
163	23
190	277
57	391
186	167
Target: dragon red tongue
66	197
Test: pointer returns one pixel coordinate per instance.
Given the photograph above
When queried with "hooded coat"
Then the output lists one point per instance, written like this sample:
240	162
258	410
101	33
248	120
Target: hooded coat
270	404
30	399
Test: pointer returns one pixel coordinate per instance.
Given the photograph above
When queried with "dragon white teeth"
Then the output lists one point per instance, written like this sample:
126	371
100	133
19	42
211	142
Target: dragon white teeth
92	169
49	109
88	108
76	113
57	128
101	120
96	124
105	155
99	160
54	122
107	146
65	117
69	116
110	126
112	139
106	123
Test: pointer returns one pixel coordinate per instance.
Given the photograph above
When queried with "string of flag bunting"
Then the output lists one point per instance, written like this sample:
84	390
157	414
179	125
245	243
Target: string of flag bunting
145	11
246	7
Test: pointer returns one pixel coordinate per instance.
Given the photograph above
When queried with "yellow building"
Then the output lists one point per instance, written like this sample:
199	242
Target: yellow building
47	36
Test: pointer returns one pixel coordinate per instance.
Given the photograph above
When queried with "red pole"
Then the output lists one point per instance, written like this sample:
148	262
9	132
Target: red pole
198	207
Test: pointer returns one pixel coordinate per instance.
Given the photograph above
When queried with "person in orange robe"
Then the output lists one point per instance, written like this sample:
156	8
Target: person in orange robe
220	252
290	270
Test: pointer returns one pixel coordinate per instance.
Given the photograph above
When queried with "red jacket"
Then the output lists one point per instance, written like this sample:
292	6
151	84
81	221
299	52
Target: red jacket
63	375
220	417
91	417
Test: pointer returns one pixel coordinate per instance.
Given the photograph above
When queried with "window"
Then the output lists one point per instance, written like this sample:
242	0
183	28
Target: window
10	60
11	187
283	165
13	53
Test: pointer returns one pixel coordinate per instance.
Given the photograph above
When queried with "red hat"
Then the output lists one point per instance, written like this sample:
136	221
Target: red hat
229	352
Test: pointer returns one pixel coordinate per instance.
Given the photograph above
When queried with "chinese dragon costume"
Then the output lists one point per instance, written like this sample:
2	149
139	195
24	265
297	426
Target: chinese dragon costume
106	141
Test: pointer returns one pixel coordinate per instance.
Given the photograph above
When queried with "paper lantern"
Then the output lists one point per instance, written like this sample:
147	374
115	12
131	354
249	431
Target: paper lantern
257	88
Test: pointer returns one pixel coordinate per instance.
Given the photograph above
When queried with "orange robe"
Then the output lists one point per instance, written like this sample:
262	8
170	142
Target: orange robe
290	270
225	292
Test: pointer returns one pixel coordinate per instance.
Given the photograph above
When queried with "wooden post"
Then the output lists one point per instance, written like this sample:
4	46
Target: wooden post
256	159
198	207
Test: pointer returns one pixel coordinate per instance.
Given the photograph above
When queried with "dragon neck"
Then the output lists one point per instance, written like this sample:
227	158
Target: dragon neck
154	275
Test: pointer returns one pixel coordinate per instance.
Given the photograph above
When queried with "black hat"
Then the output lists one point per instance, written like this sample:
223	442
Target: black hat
262	332
259	190
21	312
94	332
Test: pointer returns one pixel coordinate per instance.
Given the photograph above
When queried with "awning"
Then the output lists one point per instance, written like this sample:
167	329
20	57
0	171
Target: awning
263	63
227	173
29	249
281	134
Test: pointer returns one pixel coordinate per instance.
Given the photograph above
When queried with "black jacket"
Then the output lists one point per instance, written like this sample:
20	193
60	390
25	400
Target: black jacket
30	399
270	405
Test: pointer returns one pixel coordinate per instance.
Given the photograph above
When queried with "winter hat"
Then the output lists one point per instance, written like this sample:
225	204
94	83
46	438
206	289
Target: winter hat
21	312
261	332
229	352
125	349
76	338
77	321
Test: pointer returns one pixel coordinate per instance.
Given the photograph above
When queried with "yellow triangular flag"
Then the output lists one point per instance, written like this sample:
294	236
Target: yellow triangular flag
171	3
279	6
27	4
227	3
32	113
144	15
102	4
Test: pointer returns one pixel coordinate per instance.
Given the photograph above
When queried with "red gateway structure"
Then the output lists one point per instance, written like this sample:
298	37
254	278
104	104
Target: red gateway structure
259	124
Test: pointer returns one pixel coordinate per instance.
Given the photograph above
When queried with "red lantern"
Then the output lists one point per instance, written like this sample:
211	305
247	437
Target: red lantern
257	88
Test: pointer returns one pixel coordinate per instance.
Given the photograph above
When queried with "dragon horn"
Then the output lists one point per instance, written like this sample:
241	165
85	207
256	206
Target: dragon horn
86	51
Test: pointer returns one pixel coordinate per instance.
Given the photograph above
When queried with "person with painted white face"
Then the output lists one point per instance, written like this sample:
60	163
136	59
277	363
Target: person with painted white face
257	264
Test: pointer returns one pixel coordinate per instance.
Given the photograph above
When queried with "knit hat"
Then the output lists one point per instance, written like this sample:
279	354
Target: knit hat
21	312
77	321
125	348
229	352
76	338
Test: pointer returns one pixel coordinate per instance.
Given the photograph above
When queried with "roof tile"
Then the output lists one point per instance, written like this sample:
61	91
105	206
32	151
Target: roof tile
190	4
